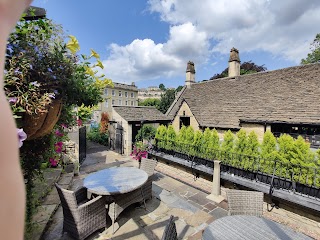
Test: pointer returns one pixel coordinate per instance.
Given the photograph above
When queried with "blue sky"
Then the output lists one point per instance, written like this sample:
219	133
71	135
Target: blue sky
150	42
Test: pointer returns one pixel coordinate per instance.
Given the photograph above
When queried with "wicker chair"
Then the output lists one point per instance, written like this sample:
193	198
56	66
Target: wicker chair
81	217
148	165
245	202
170	232
122	201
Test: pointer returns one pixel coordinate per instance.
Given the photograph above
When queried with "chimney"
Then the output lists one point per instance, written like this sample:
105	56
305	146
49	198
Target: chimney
234	63
190	74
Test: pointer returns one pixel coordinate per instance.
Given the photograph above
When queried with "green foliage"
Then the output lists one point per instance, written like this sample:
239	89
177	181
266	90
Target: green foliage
161	136
171	138
85	112
181	136
147	132
213	145
204	149
162	87
166	100
314	56
95	135
227	146
197	144
240	148
268	152
245	68
251	152
189	140
150	102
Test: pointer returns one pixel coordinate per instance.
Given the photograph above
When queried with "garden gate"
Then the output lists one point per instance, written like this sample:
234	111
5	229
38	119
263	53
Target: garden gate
82	144
119	139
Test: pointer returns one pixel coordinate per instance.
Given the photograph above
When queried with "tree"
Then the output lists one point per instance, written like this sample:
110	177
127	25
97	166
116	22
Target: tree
314	56
166	100
171	138
245	68
227	145
162	87
240	148
150	102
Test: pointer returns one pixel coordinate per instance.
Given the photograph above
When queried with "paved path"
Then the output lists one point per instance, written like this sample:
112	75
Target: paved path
173	193
190	207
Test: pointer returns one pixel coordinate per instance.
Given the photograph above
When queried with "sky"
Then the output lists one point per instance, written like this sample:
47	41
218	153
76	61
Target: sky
150	41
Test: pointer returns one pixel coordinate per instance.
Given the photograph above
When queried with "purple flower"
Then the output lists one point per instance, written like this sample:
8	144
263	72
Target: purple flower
13	100
21	136
52	95
35	83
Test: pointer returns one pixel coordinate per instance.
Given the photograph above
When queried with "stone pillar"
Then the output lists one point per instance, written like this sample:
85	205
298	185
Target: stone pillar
216	188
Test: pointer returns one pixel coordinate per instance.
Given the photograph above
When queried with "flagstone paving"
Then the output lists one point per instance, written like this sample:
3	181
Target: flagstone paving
173	194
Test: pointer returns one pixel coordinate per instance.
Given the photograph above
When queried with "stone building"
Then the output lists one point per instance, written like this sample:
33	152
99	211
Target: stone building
284	101
127	121
150	92
118	95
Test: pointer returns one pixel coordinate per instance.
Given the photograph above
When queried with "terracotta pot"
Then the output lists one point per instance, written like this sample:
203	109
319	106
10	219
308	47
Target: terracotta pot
39	125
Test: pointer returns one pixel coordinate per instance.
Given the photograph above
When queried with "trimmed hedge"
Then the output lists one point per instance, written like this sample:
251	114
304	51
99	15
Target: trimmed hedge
285	156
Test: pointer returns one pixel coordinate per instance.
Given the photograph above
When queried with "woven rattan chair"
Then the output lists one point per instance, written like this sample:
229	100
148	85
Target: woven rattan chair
81	217
148	165
170	232
245	202
122	201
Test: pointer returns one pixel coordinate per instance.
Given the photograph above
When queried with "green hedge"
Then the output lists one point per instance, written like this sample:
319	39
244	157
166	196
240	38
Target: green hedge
293	157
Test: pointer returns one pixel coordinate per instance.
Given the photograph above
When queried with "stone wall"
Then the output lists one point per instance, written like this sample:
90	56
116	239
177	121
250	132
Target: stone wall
193	121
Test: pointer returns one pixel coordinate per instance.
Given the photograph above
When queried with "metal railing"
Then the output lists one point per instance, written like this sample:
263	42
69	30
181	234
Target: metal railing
280	175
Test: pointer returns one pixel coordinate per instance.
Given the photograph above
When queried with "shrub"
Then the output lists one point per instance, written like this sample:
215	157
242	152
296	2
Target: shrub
205	143
95	135
188	140
161	136
196	144
213	145
251	152
181	139
147	132
171	138
227	146
268	152
240	147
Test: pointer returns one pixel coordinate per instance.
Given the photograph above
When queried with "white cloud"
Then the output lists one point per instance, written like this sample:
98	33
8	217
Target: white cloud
144	59
285	28
201	29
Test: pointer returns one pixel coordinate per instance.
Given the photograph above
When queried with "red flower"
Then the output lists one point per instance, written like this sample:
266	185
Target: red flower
53	162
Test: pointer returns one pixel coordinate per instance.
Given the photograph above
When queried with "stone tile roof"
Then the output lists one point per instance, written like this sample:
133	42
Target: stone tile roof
139	113
289	95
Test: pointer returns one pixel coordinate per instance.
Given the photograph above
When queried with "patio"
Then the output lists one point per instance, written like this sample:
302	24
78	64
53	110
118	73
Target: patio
189	206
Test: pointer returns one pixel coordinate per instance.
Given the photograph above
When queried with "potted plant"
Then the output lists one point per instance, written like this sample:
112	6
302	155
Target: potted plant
140	150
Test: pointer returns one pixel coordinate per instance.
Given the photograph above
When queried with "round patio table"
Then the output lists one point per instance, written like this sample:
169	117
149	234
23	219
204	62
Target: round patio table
114	181
249	227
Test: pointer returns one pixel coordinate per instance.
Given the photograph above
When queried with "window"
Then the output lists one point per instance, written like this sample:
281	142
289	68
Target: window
120	102
126	103
106	104
113	102
132	95
126	94
106	91
131	103
113	92
120	94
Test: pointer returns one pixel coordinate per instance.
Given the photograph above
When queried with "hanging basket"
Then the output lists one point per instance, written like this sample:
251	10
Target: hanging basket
41	124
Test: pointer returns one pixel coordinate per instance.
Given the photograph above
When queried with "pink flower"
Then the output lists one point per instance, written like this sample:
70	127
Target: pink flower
58	133
53	162
64	125
58	147
21	136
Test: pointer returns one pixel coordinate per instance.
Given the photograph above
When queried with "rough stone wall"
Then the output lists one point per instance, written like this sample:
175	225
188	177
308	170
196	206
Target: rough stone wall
257	128
127	132
193	122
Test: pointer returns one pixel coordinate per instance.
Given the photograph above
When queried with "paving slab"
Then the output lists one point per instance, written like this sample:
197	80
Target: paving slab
218	213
